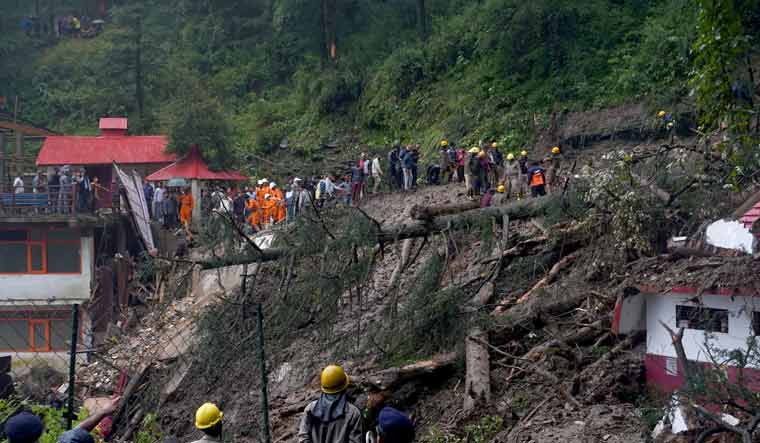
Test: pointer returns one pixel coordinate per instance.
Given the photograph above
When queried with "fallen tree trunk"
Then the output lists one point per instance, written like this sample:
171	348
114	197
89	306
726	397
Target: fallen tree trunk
518	210
393	377
532	315
549	278
427	213
477	385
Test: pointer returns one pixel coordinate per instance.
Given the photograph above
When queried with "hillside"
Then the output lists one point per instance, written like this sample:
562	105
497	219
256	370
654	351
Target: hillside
497	69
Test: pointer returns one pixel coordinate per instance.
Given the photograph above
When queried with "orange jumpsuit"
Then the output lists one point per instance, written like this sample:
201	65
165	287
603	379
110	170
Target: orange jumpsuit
186	204
254	218
268	211
280	210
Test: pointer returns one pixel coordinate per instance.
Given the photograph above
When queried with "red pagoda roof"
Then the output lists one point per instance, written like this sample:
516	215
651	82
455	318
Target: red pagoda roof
191	167
102	150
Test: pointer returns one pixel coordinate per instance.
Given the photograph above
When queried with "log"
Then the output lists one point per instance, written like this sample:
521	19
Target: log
581	336
533	314
427	213
394	377
477	361
550	277
257	257
518	210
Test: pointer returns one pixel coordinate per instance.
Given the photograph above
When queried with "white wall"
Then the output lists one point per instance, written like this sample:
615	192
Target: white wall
663	308
51	288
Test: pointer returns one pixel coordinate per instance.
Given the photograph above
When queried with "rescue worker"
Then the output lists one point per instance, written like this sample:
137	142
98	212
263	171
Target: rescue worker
444	162
511	177
500	197
460	160
279	199
268	210
100	419
331	418
471	168
537	180
208	419
552	173
496	163
523	161
254	213
483	172
186	204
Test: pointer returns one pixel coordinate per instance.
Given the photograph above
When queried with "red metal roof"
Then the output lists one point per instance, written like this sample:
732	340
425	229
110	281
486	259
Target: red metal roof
192	166
113	123
78	150
751	216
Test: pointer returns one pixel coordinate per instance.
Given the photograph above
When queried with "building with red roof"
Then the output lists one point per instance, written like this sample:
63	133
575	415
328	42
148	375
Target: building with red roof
192	167
143	153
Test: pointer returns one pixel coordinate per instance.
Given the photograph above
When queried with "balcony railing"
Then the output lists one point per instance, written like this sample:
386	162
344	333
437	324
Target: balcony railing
51	201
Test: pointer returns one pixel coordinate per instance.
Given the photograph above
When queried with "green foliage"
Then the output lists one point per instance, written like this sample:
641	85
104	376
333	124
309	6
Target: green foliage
482	432
150	430
722	72
196	118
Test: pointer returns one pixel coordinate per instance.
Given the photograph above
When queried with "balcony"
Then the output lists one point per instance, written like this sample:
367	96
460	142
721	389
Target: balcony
51	204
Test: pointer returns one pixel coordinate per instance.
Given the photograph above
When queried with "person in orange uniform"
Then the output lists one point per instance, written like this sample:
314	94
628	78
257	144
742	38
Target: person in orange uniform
254	213
262	190
279	198
186	204
268	209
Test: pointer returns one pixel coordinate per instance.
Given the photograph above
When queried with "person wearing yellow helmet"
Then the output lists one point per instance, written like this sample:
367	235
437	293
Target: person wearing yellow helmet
471	170
208	419
661	114
511	177
444	163
331	418
553	164
523	160
445	143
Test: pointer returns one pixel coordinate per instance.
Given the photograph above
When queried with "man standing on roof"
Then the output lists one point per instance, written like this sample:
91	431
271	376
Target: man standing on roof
331	418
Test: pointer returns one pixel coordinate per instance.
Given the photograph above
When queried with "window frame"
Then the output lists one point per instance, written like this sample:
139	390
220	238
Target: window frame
42	243
32	320
700	310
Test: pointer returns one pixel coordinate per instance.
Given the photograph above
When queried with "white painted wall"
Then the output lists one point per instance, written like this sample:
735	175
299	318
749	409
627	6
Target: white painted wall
663	308
54	289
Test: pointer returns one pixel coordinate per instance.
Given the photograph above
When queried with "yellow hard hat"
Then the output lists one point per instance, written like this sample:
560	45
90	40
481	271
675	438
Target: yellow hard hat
207	416
500	189
555	150
474	150
524	153
444	142
333	379
494	145
661	114
510	156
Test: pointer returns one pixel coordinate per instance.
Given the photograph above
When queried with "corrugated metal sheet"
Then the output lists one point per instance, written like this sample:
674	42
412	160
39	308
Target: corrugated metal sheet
751	216
113	123
77	150
193	167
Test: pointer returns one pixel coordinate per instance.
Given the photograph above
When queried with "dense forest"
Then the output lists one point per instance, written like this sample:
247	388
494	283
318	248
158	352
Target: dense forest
243	76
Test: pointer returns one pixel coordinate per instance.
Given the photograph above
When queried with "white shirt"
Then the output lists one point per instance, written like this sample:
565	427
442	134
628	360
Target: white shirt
376	171
18	185
158	195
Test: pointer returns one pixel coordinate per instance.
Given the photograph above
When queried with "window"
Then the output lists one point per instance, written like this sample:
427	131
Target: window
38	251
701	318
35	331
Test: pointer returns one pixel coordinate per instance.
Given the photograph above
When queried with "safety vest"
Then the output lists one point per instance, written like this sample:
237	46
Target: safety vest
537	178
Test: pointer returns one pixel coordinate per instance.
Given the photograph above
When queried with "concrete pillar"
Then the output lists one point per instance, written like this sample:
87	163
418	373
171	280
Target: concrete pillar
195	189
19	146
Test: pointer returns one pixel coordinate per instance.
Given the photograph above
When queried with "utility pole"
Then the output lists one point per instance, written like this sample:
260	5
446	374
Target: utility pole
266	438
72	364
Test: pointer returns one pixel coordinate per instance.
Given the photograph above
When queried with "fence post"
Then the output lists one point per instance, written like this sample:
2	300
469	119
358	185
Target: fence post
263	367
72	364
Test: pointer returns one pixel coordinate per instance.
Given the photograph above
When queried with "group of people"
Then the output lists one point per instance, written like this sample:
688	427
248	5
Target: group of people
485	170
331	418
170	207
68	190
